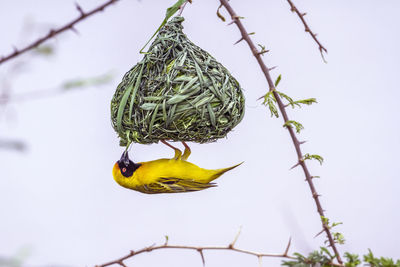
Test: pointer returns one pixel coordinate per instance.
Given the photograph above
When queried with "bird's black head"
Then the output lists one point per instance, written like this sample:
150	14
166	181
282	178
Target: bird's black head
127	166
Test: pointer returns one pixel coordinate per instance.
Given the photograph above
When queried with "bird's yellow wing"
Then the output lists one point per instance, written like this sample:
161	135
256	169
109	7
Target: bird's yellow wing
173	185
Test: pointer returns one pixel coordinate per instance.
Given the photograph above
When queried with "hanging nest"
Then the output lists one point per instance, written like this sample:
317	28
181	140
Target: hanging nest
177	92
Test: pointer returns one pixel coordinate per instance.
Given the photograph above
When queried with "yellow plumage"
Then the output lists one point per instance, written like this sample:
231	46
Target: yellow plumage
165	175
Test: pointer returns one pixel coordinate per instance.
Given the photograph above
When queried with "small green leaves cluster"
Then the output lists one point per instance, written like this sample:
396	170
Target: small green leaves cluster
270	102
379	262
352	260
337	237
324	258
291	102
307	101
315	156
321	258
90	81
263	49
298	126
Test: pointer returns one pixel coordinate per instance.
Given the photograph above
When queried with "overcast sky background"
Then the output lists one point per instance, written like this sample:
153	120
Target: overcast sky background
59	202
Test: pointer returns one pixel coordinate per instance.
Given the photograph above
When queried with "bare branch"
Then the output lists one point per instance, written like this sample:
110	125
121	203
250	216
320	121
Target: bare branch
321	48
132	253
68	86
53	32
13	145
282	109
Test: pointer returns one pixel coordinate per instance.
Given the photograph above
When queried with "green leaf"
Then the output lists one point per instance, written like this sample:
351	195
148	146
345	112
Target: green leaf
269	100
45	50
288	98
336	224
326	251
170	12
296	124
278	79
85	82
338	238
316	157
325	220
352	260
307	101
263	50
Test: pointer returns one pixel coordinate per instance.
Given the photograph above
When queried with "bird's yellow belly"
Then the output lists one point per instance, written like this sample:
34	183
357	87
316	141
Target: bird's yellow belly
151	171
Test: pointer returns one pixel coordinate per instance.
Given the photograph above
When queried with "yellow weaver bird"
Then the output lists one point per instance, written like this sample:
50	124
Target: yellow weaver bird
174	175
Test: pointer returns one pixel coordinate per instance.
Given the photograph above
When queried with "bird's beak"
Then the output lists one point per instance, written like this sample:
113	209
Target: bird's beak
125	158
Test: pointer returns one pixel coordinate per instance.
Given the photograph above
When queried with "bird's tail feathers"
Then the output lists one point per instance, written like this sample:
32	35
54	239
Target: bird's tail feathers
219	172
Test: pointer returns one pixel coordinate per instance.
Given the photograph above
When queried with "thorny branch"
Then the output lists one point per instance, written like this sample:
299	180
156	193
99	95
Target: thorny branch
53	32
68	86
321	48
296	142
13	145
230	247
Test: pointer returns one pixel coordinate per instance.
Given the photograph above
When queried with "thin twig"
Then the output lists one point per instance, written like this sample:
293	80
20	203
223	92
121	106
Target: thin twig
236	238
68	86
282	109
198	249
321	48
13	145
53	32
182	7
132	253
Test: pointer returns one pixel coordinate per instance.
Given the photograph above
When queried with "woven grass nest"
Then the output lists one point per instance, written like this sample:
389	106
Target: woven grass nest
177	92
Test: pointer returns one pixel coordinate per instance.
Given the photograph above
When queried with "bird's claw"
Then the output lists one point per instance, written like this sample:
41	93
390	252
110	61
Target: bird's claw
178	153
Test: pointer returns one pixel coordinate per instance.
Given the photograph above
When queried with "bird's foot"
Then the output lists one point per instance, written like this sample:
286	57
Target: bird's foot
187	151
178	153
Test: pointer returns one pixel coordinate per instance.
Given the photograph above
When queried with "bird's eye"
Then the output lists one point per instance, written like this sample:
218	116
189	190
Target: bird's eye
123	170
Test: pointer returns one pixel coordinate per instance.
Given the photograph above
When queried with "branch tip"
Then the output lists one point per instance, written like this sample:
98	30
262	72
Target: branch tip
287	247
260	260
79	8
75	30
294	166
319	233
241	39
307	29
203	260
231	245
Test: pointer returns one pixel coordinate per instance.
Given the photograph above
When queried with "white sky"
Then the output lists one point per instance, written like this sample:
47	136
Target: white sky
59	201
